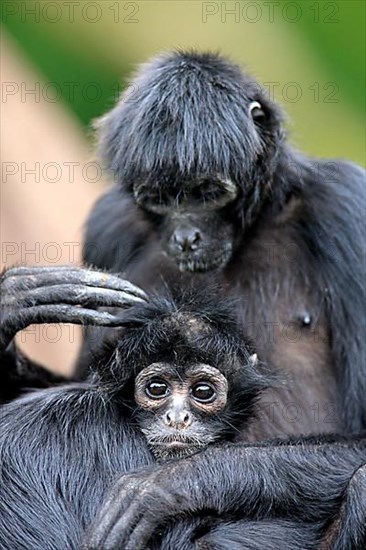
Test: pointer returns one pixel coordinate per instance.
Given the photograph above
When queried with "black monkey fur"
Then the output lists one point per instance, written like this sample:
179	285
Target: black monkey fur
296	231
61	449
293	239
42	434
291	243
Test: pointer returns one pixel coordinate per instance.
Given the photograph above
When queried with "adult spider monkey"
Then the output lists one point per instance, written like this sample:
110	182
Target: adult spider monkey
206	183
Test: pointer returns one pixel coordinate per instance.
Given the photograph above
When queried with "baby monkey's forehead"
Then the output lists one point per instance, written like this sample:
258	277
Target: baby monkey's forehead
189	325
200	341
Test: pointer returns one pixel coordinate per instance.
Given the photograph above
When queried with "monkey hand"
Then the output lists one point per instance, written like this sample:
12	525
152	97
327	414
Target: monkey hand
61	294
139	503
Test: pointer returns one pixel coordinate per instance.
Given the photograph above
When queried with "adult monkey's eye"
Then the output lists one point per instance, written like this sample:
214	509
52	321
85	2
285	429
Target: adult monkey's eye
257	111
156	389
203	392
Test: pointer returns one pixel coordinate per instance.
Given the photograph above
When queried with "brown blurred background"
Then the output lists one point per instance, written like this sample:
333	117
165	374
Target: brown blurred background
64	63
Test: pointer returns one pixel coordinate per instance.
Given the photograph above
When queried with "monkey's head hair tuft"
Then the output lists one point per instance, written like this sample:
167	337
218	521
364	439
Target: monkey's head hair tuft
186	116
183	328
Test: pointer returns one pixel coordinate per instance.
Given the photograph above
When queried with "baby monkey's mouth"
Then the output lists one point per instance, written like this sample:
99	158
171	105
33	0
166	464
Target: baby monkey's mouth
174	450
167	447
179	444
176	440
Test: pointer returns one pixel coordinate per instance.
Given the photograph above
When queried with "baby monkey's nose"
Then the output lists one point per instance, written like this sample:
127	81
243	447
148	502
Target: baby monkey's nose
178	418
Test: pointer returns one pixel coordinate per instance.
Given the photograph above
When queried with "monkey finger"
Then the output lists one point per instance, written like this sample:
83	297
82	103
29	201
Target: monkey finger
141	535
13	323
112	509
121	531
135	526
102	534
62	313
73	295
26	278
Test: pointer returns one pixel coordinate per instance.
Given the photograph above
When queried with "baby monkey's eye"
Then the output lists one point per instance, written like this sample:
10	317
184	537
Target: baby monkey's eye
156	389
203	392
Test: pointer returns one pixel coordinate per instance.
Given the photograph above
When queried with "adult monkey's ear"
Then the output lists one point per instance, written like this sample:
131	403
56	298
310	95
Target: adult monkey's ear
230	189
253	360
257	112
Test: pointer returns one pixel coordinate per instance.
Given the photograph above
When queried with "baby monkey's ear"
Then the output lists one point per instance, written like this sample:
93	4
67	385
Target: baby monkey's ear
253	359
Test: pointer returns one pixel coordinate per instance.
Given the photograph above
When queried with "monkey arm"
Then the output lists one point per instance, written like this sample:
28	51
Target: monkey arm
334	227
348	528
115	232
53	295
303	480
59	450
203	533
18	372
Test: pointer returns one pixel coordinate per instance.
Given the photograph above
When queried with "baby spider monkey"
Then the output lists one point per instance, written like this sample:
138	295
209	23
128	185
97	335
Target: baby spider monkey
176	379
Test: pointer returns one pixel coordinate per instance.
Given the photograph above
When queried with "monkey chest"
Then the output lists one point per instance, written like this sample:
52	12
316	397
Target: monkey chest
283	310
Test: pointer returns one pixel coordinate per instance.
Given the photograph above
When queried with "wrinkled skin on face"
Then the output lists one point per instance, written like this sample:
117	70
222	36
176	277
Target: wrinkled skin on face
194	223
177	411
198	242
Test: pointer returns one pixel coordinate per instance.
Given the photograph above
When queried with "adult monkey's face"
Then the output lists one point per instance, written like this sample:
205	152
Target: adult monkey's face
197	148
194	223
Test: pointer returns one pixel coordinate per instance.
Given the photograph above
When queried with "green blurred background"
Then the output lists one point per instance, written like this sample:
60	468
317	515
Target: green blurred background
312	54
64	62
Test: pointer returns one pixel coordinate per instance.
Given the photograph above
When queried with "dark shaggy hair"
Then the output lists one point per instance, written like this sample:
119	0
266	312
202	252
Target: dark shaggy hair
156	139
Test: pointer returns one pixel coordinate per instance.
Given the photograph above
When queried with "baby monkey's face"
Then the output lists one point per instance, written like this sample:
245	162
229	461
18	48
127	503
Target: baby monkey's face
178	409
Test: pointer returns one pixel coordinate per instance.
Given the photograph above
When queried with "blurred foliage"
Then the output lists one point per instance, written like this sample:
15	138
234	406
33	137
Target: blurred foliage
319	46
341	46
